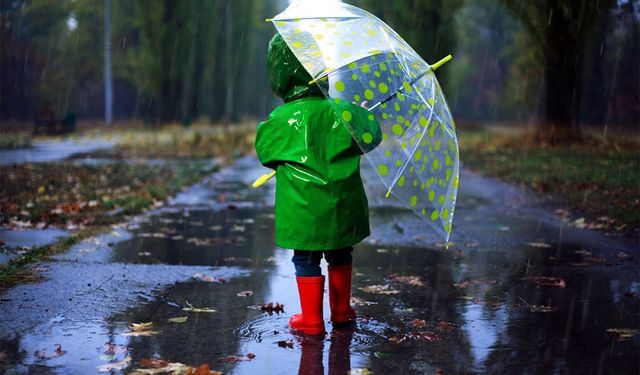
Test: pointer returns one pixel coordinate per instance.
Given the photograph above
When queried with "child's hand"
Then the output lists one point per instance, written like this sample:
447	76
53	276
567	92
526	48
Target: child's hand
363	104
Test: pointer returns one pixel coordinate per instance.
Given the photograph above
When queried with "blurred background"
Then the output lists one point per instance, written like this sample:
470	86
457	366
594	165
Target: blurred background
573	64
546	94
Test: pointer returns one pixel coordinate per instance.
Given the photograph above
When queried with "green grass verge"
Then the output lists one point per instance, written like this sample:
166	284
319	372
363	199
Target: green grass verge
21	269
600	179
95	196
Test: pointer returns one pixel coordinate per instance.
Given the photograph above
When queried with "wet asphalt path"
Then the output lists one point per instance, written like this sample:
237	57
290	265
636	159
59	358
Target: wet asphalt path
487	305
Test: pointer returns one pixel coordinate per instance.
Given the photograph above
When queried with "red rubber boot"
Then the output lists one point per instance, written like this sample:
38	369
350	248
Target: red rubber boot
310	321
340	294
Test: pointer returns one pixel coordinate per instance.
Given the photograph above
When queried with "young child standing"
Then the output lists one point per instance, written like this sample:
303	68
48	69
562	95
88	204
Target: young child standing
321	207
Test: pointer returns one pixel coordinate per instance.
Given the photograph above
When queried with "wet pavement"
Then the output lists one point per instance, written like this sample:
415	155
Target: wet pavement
53	150
519	291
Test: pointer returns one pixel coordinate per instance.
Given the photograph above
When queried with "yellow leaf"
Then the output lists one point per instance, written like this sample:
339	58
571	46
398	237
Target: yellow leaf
180	319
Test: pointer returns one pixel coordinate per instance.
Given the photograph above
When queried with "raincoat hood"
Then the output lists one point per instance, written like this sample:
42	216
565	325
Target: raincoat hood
287	77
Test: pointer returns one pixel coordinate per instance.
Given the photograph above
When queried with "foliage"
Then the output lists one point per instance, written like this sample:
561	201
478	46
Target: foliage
600	178
427	25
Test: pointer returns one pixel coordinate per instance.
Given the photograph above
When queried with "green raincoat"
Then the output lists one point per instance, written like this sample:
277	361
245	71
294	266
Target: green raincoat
320	200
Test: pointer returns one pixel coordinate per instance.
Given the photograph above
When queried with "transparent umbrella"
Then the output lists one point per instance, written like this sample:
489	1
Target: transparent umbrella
365	61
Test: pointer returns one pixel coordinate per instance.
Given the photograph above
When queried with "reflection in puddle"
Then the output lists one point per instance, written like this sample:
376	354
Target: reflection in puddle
481	310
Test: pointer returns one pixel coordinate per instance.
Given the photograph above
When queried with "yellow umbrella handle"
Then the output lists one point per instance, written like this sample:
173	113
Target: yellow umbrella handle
443	61
262	179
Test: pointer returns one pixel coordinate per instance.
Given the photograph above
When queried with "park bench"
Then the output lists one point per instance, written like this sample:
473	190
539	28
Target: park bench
45	122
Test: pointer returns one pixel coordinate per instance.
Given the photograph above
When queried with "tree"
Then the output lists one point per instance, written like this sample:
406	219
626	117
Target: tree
558	31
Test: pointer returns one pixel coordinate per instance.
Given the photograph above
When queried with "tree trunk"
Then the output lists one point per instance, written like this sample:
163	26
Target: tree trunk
564	55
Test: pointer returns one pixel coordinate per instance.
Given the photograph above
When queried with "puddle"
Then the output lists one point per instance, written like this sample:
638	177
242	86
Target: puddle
17	242
477	308
53	150
477	313
30	237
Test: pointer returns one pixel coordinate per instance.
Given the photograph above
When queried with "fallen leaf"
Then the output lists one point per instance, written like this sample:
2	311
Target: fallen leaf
555	282
409	280
397	339
245	293
180	319
141	326
111	348
542	308
237	358
445	326
161	366
418	323
624	333
539	245
423	336
285	344
632	294
207	278
357	301
579	223
380	289
271	307
153	362
538	308
360	371
202	370
623	255
116	366
42	355
468	283
141	329
198	309
462	285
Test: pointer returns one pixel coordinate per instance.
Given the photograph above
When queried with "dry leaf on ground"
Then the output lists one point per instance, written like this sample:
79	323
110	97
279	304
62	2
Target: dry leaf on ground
624	333
191	308
180	319
285	344
207	278
141	329
555	282
409	280
271	307
116	366
237	358
42	355
539	245
357	301
379	289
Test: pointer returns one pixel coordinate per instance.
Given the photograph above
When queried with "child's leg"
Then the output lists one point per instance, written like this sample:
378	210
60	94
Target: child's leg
339	257
340	285
307	263
311	290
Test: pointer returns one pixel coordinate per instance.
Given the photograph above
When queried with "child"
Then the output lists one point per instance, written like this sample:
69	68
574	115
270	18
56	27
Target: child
321	207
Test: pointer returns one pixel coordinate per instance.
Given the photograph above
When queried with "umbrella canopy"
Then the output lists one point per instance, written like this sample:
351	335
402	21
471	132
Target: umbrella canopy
358	58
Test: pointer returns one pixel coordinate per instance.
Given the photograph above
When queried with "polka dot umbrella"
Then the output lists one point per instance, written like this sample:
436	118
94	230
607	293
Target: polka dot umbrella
364	60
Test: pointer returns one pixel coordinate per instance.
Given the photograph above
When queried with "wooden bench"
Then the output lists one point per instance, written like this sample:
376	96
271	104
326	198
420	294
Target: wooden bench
45	122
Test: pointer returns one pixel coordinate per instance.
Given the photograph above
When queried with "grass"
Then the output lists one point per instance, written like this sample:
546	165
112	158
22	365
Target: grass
598	178
15	140
59	194
88	198
21	269
179	142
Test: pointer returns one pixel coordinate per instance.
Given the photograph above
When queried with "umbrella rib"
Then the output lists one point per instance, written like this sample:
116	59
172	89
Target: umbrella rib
397	177
312	18
393	95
